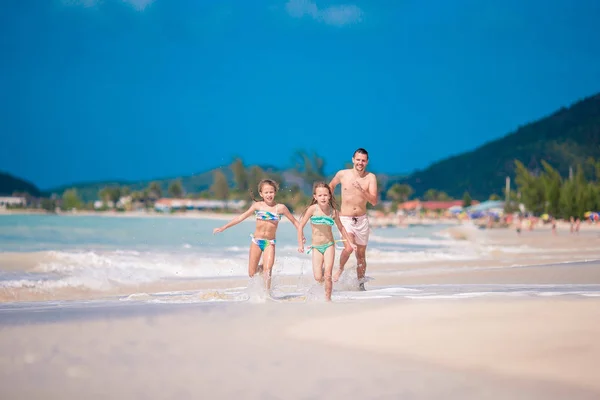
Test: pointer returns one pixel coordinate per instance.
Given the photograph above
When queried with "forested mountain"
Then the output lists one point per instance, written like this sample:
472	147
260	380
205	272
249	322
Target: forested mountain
564	139
10	184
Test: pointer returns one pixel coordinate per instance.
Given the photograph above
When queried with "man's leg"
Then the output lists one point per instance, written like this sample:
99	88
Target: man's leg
344	257
361	262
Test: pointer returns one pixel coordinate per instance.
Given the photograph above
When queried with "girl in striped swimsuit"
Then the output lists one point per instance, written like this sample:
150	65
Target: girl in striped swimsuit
268	213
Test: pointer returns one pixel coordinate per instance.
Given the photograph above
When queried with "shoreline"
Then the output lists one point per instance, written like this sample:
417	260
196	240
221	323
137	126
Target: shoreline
376	222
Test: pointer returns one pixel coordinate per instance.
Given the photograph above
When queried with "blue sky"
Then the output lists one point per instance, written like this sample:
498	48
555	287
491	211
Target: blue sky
138	89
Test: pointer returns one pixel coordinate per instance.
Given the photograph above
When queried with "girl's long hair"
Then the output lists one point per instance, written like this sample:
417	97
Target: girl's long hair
332	202
260	185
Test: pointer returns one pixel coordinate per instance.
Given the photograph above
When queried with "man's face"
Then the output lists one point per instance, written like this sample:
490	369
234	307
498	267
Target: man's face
360	161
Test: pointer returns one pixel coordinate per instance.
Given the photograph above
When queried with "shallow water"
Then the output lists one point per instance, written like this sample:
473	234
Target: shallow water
58	255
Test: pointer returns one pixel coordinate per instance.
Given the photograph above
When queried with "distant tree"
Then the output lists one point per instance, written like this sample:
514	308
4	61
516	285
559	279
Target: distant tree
138	196
551	182
104	194
443	196
311	167
71	200
110	194
494	197
430	195
467	200
593	194
568	199
115	194
125	190
48	204
176	189
531	189
220	187
255	175
583	202
240	176
435	195
154	191
399	192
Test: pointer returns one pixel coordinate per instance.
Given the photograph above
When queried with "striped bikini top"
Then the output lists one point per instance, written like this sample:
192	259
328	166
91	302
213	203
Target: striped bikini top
322	219
263	215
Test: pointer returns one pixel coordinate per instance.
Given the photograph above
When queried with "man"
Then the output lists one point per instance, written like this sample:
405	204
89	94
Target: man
358	188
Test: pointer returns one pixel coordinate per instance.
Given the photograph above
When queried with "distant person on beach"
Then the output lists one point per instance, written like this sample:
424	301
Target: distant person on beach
268	214
572	221
323	214
359	187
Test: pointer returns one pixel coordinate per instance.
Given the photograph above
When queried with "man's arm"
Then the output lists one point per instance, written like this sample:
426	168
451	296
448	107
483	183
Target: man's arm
335	181
370	194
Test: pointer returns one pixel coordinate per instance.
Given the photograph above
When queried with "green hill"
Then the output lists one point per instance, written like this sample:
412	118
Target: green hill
88	191
10	184
564	139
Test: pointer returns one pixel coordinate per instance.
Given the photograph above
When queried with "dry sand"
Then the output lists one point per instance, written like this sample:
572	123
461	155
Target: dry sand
462	349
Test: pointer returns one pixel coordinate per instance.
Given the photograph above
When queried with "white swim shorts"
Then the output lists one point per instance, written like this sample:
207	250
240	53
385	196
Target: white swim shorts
357	226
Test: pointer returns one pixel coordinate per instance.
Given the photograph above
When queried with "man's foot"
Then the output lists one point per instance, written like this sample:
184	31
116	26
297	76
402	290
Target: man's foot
361	287
337	274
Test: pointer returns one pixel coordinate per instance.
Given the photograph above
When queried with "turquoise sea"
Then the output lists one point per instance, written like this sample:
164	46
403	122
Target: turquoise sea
47	254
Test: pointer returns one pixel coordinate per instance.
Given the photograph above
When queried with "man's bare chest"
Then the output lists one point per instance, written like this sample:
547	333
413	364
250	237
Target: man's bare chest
349	183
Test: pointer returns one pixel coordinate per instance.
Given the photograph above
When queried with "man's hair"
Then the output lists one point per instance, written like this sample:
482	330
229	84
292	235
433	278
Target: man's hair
361	151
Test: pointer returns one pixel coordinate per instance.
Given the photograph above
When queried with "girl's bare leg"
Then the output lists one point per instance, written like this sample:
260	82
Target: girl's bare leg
253	259
268	261
328	259
317	262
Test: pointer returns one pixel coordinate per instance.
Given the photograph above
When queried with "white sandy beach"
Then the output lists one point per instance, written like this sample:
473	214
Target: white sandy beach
462	349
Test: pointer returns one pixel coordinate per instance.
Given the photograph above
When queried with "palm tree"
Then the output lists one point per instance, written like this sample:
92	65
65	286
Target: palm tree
399	192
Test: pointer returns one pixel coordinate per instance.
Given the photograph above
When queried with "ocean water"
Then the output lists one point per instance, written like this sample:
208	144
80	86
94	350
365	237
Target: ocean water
49	253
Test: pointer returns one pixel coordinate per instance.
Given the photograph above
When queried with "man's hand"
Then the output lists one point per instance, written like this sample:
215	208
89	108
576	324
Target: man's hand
357	185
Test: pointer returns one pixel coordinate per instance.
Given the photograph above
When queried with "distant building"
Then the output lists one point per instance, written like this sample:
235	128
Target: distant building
165	205
418	205
98	204
12	201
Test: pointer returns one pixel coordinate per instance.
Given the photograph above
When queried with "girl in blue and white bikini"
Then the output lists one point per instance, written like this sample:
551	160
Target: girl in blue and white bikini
323	214
268	214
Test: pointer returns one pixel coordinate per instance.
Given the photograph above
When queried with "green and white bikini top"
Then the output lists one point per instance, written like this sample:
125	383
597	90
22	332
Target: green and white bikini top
322	219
